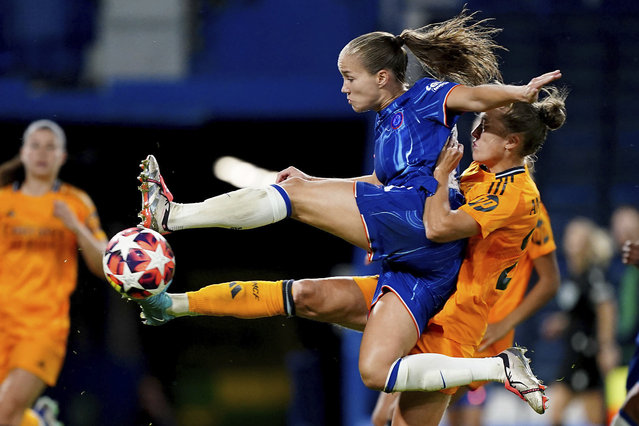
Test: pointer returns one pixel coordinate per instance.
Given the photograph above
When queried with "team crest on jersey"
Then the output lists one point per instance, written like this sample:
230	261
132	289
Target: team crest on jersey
434	86
485	203
397	120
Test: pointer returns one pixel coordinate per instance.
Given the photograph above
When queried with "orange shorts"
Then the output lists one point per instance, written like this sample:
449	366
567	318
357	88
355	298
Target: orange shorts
39	354
367	285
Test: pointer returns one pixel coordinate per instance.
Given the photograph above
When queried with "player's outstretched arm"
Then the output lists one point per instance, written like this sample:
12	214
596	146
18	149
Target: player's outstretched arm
488	96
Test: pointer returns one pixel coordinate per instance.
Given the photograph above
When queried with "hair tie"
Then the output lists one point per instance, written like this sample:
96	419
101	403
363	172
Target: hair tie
399	40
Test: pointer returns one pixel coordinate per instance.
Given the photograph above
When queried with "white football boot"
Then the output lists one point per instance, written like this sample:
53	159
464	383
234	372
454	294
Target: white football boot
156	197
521	381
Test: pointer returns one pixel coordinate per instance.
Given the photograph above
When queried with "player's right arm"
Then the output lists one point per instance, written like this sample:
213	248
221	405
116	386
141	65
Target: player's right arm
441	222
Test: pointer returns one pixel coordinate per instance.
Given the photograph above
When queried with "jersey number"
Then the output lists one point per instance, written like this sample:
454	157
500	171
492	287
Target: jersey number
504	279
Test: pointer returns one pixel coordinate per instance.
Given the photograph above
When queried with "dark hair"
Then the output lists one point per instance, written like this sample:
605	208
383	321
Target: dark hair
11	170
460	49
534	120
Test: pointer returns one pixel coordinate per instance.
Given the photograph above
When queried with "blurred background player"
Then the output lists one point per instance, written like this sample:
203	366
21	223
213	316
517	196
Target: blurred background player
43	224
586	322
624	226
628	415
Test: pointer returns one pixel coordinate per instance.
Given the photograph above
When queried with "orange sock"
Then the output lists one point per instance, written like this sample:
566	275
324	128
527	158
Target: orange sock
30	418
243	299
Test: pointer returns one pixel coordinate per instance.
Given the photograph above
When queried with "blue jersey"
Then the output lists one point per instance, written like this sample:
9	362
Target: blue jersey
410	133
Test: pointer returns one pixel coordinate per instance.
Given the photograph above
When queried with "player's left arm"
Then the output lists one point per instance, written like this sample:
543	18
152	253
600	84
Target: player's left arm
489	96
544	289
92	248
441	222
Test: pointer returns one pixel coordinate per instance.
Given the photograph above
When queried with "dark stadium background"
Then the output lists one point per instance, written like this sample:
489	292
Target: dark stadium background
261	84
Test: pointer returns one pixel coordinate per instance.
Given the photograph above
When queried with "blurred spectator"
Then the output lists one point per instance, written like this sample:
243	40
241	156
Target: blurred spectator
624	225
629	412
586	321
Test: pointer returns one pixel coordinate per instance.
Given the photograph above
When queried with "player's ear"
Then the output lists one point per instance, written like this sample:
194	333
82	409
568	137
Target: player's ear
382	77
513	142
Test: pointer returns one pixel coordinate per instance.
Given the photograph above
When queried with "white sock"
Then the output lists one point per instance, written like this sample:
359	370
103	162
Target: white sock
433	372
242	209
180	305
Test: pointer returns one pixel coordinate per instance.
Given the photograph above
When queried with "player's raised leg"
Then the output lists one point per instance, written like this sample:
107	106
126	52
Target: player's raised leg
305	298
327	204
242	209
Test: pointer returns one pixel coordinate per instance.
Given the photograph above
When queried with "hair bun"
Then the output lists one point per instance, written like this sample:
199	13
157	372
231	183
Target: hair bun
552	108
552	113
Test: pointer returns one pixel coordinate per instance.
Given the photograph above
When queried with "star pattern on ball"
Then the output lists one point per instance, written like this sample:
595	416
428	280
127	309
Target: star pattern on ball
157	258
131	279
124	244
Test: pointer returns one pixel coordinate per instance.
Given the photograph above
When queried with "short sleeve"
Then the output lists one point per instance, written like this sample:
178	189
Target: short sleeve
431	97
491	211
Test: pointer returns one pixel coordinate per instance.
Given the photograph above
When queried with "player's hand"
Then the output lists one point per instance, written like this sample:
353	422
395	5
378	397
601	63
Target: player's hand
449	159
493	333
531	90
291	172
62	211
630	253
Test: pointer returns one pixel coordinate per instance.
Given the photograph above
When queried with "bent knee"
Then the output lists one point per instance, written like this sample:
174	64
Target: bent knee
373	372
307	296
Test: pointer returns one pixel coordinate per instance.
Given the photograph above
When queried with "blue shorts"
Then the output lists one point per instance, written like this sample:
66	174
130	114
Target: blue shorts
422	273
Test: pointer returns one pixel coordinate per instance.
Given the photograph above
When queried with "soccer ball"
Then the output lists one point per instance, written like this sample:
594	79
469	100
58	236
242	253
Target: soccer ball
138	263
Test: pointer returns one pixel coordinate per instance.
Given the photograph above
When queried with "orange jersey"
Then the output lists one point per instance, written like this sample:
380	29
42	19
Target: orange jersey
541	243
506	207
38	265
